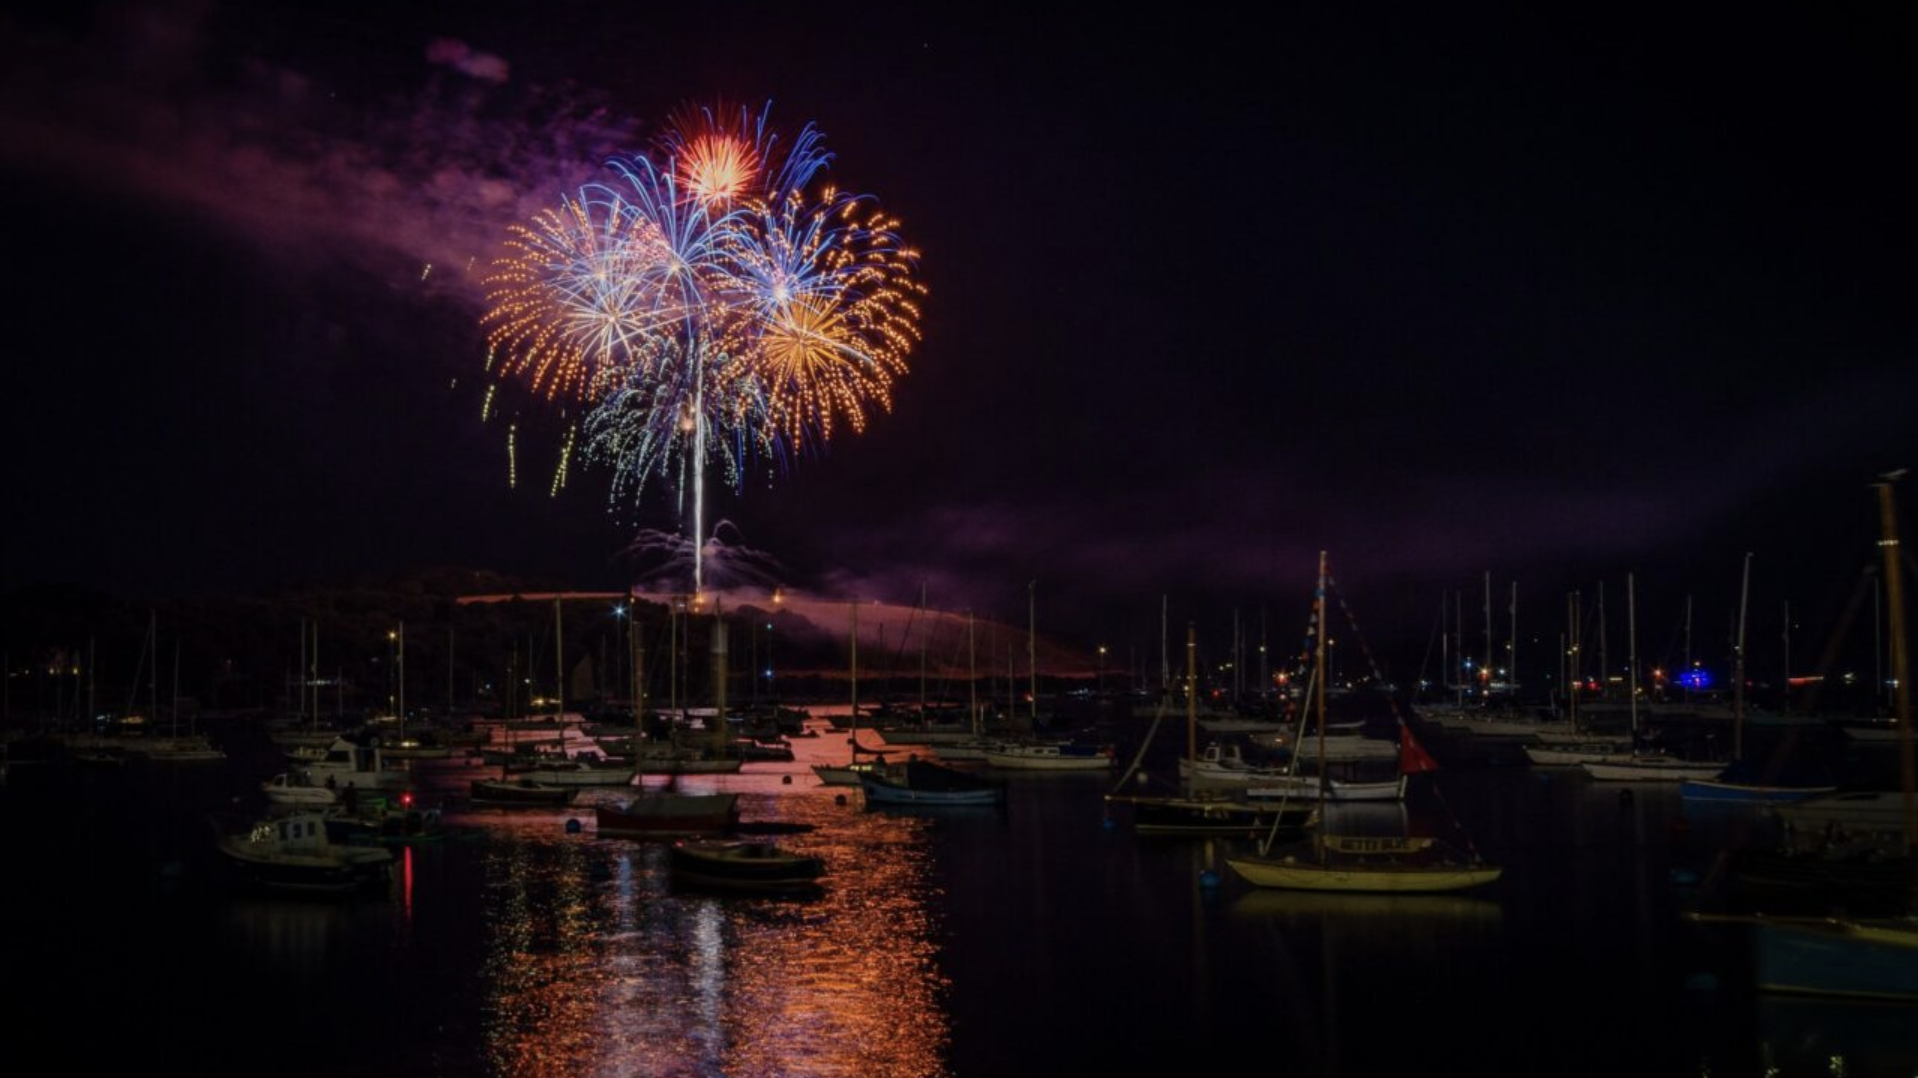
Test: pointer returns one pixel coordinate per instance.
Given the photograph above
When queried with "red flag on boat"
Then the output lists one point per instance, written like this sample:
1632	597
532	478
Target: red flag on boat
1413	758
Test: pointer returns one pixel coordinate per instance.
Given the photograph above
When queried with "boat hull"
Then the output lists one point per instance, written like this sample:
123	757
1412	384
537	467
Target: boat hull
528	794
1865	959
1710	790
1311	876
753	867
668	816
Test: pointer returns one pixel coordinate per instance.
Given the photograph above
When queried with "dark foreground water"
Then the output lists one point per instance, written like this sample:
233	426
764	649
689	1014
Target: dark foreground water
1039	940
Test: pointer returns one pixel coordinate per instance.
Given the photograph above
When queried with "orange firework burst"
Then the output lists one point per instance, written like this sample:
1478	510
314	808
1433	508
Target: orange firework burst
718	168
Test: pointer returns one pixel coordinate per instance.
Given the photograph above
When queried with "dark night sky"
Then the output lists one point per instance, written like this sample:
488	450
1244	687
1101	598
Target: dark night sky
1555	296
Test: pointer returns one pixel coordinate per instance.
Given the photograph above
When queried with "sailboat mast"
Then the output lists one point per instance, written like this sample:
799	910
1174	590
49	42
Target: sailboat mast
153	669
402	673
1488	631
1604	656
1191	691
924	627
855	672
1032	645
972	677
1511	657
559	663
1631	645
1738	663
1895	599
1688	648
719	678
314	677
1165	659
1787	636
1318	673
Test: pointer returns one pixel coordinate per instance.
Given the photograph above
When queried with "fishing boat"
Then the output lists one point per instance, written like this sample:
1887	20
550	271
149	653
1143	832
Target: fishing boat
294	856
1398	864
922	782
744	865
668	814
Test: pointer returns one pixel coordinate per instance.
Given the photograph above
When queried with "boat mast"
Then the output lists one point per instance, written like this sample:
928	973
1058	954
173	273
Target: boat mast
1191	692
153	669
1032	645
855	676
1687	681
1604	656
1738	664
1487	672
1631	646
1572	686
1318	680
315	678
1165	659
402	675
1511	657
559	663
1787	637
972	677
1895	599
719	677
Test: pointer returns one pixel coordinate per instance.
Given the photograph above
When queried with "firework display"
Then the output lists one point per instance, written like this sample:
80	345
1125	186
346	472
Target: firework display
716	303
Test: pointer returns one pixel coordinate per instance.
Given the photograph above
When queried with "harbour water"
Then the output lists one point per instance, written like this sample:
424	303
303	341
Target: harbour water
1043	938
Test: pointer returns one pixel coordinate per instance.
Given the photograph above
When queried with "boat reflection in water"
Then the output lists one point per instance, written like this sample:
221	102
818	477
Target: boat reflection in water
596	964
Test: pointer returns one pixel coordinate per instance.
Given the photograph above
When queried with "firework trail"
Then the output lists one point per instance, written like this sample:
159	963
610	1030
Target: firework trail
716	306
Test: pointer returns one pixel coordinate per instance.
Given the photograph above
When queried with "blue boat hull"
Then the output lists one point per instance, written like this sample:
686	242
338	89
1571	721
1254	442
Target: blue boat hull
1837	958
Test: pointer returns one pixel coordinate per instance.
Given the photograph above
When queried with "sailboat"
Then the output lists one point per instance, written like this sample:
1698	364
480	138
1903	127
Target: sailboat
1640	766
847	774
1364	863
585	769
1196	811
1845	954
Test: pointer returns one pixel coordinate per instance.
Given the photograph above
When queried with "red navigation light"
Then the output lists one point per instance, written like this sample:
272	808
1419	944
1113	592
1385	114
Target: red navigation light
406	799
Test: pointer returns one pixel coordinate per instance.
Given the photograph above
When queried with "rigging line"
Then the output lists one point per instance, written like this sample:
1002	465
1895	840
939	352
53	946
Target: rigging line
1292	767
1392	703
1145	744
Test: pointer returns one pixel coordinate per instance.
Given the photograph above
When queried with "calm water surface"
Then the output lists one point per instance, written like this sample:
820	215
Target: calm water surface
1043	939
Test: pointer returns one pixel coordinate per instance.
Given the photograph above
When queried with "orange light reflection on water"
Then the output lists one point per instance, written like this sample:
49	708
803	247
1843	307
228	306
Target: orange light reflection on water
599	966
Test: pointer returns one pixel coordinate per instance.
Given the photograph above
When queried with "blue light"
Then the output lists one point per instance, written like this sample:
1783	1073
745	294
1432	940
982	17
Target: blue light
1695	679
